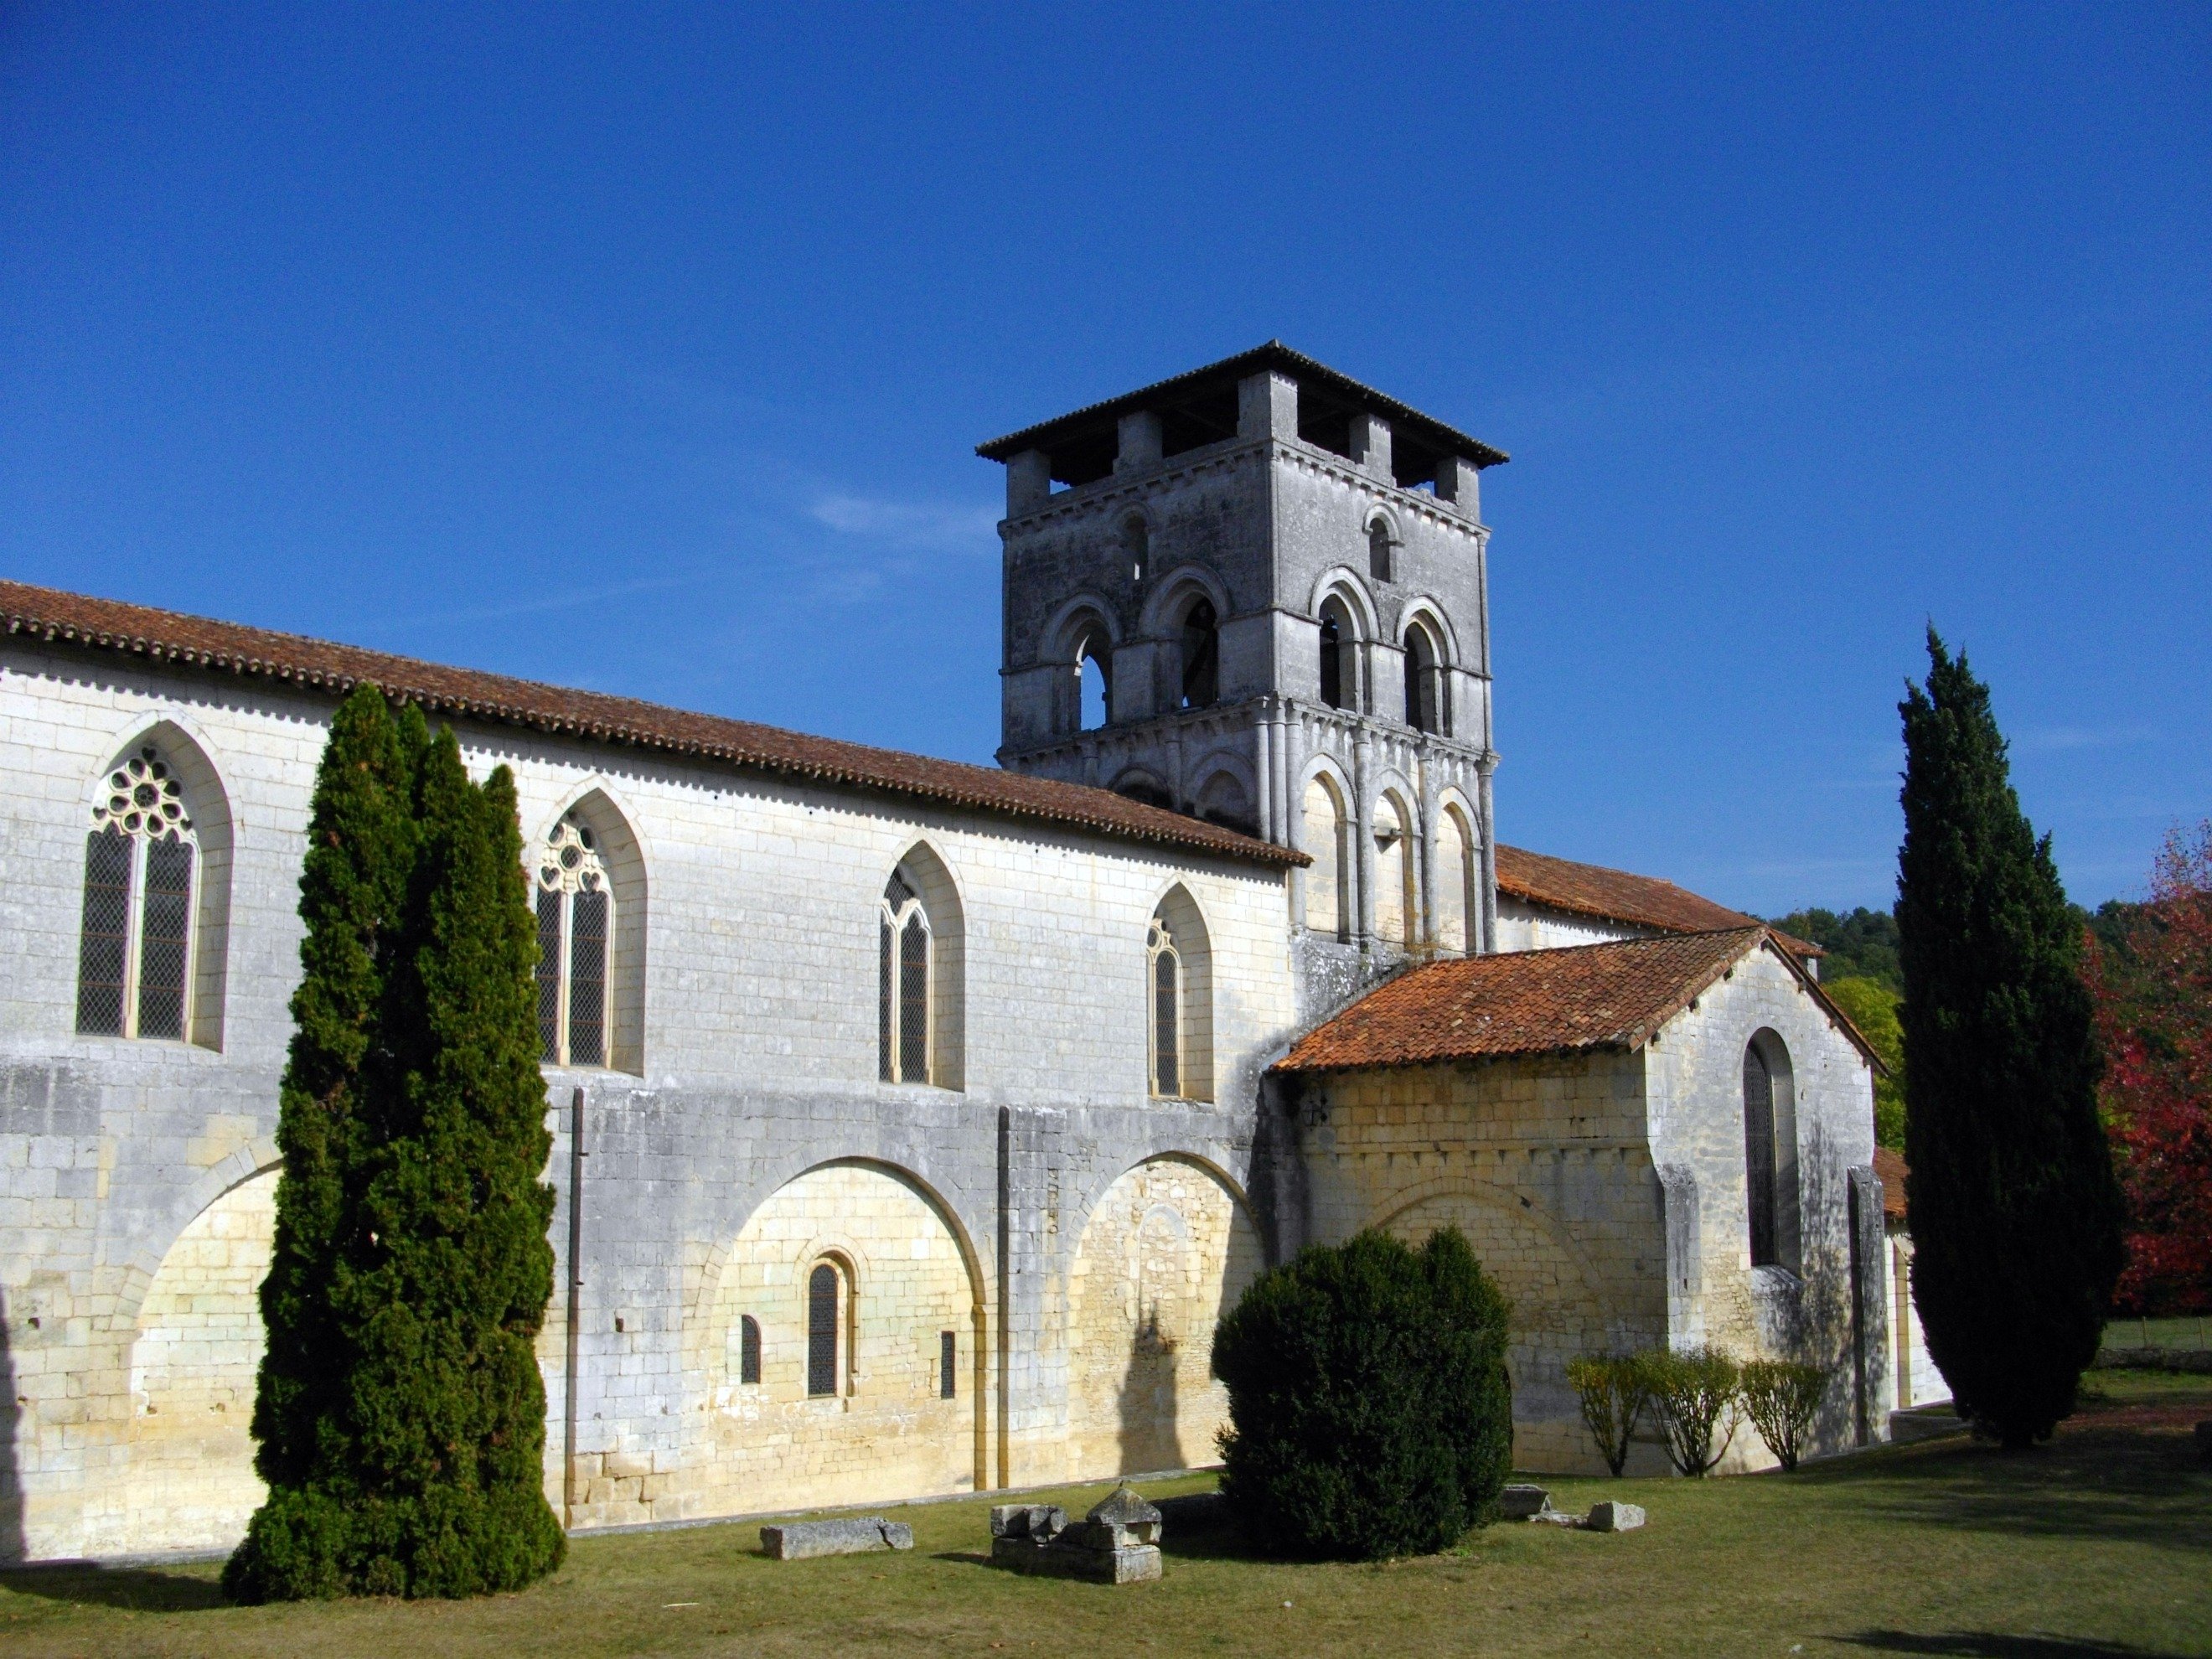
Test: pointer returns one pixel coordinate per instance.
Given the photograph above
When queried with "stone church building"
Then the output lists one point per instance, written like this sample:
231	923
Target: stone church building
914	1122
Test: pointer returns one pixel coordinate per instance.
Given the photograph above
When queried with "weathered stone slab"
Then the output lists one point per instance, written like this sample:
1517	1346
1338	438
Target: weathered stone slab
1521	1502
1038	1521
1612	1516
1116	1544
800	1540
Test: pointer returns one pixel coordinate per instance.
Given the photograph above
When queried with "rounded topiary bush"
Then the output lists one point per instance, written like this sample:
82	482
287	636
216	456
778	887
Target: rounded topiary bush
1370	1414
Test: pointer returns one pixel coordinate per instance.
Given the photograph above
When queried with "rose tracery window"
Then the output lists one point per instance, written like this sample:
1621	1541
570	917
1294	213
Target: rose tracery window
134	958
904	949
575	933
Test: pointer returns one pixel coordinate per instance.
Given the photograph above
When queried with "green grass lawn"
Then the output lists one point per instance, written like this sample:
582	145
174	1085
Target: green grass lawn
2099	1544
2191	1334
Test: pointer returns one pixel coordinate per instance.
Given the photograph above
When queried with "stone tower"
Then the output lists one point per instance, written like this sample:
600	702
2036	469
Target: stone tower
1277	575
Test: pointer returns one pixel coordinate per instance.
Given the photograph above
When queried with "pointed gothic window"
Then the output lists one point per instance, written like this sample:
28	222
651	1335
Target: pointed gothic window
575	931
1166	974
135	946
903	1005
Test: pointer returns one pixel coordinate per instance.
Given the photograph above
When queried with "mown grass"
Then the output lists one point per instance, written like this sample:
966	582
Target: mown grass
2096	1546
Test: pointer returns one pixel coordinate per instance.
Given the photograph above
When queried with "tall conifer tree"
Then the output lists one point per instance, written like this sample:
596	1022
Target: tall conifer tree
2014	1212
409	1428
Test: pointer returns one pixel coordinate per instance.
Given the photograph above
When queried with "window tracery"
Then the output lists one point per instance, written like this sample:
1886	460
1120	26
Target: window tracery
140	864
575	935
1165	965
904	949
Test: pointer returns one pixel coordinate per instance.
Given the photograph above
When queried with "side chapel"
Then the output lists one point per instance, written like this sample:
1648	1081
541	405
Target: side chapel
915	1122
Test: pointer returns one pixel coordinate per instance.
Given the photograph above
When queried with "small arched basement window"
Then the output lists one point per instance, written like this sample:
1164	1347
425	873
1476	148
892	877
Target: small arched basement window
1201	655
1165	965
140	864
575	939
904	950
822	1321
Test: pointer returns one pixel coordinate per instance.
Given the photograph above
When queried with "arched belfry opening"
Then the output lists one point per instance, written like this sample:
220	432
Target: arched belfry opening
1198	654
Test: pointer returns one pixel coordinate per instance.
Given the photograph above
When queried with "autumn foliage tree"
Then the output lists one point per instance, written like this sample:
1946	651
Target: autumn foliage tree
2153	998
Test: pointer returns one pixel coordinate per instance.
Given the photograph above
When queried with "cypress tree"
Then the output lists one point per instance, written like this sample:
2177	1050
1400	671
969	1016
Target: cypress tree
2014	1210
403	1431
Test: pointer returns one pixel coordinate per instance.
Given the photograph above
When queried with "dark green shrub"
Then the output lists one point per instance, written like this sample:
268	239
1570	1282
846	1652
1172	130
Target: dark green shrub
2016	1212
1779	1397
1694	1394
1370	1412
401	1415
1615	1392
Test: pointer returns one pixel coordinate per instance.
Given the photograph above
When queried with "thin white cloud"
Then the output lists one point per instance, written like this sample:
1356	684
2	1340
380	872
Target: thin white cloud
909	524
2050	738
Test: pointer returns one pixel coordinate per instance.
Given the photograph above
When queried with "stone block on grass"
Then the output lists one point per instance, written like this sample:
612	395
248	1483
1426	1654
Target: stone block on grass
800	1540
1611	1516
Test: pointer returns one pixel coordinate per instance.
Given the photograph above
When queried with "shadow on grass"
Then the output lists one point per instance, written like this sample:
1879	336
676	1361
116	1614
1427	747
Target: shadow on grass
138	1589
2090	1483
1989	1644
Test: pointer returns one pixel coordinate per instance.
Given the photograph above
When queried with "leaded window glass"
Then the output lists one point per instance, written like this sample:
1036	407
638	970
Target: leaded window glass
575	935
1165	965
1758	1155
822	1331
749	1349
948	1357
904	953
134	943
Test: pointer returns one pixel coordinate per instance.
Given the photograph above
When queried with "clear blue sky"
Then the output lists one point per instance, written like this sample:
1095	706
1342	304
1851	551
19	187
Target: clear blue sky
645	349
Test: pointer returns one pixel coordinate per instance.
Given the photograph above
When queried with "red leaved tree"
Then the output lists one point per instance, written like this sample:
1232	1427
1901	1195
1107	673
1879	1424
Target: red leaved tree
2153	994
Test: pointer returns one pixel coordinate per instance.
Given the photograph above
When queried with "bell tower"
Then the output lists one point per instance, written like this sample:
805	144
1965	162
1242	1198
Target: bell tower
1276	578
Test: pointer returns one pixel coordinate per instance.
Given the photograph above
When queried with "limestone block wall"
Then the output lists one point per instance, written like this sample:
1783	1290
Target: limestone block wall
1805	1310
1525	927
1917	1383
754	1063
1543	1164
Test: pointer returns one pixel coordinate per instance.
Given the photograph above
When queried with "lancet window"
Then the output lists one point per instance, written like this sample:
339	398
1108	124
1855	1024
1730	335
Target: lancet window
1758	1156
575	936
903	1005
823	1286
141	875
1165	963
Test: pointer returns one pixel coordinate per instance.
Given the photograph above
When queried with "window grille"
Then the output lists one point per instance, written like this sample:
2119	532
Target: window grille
134	944
822	1331
575	930
905	950
1758	1155
948	1356
1166	965
748	1349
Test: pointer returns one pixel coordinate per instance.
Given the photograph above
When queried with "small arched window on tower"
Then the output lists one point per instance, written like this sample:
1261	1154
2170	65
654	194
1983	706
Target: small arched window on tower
141	866
1093	681
823	1321
1455	904
575	936
1340	656
1165	979
1382	563
1201	655
1137	544
1425	675
904	949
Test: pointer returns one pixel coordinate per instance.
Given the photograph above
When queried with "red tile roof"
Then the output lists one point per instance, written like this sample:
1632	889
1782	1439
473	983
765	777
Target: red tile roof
294	662
1889	1168
1592	890
1613	995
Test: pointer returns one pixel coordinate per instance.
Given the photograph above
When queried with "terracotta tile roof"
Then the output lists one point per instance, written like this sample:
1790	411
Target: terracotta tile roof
294	662
1889	1168
1592	890
1613	995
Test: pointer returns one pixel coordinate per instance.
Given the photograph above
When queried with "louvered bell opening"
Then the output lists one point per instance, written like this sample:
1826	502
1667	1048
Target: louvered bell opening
821	1332
914	1001
163	931
549	978
1165	1047
105	945
587	980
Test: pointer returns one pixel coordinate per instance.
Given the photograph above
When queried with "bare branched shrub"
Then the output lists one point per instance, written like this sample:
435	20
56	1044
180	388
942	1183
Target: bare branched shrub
1695	1394
1614	1396
1780	1398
